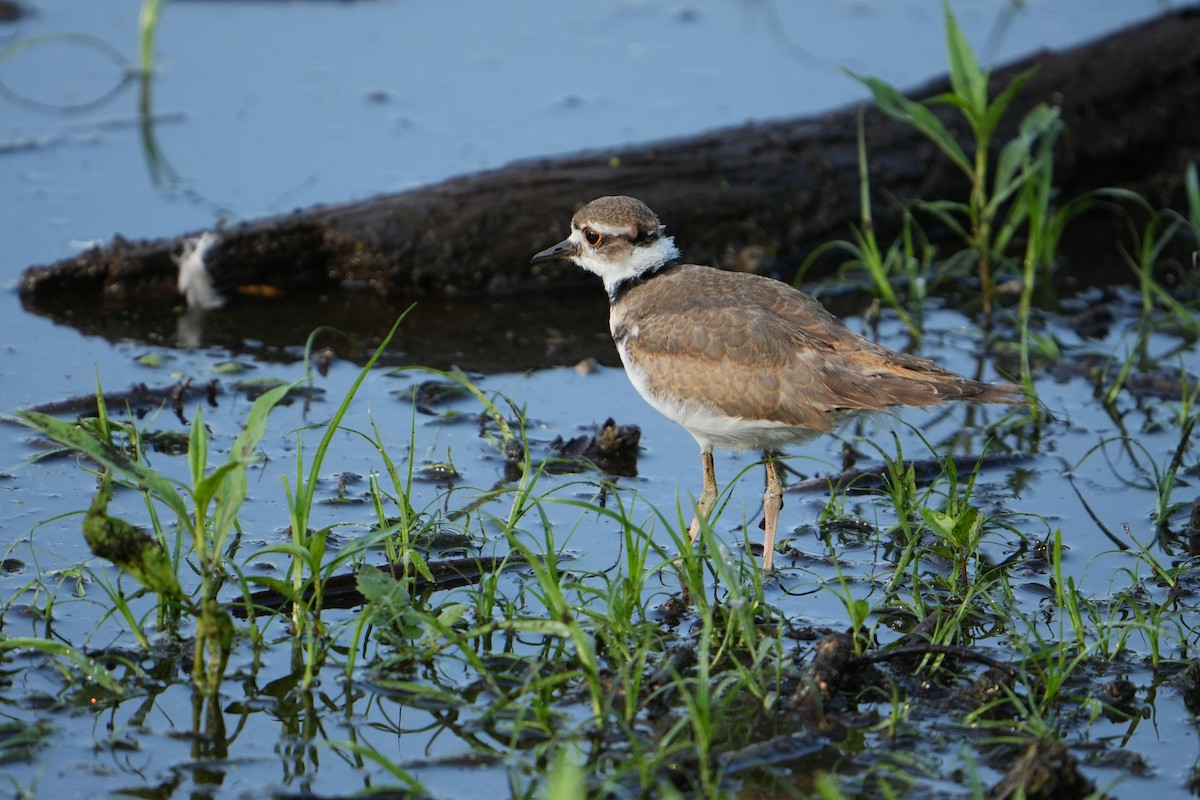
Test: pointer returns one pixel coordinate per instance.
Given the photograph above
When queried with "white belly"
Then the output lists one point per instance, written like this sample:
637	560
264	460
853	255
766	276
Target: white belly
711	427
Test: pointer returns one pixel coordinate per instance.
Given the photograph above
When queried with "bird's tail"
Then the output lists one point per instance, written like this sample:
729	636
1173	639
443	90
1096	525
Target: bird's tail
1007	393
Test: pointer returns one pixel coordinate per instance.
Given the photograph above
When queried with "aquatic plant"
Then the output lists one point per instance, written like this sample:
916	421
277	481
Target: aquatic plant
900	261
205	524
989	218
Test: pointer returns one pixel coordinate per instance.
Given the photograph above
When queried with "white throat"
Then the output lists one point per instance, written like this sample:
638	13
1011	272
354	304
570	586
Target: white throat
638	259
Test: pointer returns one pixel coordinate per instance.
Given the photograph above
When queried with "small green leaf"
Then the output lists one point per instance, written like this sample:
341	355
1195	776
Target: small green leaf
232	486
198	448
415	559
317	544
1192	184
256	421
153	360
1002	101
967	528
390	601
1030	151
75	575
896	105
452	613
378	586
860	610
231	367
969	82
941	523
1013	157
207	486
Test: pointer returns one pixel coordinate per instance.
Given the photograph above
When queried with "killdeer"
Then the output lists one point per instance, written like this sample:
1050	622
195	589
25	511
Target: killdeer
740	360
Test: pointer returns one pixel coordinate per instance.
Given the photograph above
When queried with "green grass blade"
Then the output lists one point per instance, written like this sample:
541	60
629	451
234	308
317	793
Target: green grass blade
1026	154
1192	184
91	669
1002	101
147	27
896	105
306	491
968	80
198	448
76	438
232	487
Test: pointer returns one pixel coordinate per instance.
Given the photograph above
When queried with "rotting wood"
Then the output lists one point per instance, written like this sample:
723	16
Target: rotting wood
823	675
1131	101
1045	771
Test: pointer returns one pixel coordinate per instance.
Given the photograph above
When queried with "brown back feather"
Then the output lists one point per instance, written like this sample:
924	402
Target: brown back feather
738	342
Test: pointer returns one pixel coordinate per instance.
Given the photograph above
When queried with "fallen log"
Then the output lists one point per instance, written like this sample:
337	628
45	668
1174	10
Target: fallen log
1131	101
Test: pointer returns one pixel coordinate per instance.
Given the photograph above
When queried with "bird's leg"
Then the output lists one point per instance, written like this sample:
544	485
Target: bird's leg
708	496
772	502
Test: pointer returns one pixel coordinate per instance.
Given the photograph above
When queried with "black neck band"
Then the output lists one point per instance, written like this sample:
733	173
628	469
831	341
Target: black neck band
625	285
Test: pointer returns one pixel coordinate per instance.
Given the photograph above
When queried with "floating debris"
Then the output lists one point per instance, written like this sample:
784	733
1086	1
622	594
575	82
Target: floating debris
612	448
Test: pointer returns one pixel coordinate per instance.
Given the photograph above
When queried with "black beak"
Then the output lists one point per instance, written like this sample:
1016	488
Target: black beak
564	249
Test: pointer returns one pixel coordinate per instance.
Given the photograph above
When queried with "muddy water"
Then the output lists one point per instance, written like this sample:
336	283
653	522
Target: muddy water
259	108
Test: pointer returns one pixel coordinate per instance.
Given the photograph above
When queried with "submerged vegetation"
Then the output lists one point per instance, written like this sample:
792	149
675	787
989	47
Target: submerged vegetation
965	653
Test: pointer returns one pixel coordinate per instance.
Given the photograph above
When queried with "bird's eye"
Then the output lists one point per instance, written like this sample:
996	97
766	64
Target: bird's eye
593	238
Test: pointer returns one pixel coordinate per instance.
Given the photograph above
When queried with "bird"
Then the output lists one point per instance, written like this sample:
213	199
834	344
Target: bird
740	360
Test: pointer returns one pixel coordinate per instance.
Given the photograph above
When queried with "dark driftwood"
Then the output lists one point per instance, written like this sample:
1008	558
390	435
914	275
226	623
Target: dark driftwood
1131	100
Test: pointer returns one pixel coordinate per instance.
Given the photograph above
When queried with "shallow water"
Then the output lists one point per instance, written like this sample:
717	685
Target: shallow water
274	743
264	107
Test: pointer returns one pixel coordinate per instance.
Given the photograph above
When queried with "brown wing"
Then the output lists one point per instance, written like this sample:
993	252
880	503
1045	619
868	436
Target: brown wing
758	349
